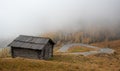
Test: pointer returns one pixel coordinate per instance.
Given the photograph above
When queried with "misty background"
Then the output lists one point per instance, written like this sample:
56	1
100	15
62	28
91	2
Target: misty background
35	17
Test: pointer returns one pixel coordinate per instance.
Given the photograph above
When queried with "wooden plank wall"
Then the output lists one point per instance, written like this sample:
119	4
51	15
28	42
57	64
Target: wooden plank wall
26	53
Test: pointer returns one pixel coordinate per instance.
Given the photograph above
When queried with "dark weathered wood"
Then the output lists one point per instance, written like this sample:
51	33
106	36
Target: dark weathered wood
26	53
12	54
32	47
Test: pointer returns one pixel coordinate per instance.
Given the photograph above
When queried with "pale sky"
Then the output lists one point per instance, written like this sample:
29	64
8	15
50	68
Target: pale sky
32	17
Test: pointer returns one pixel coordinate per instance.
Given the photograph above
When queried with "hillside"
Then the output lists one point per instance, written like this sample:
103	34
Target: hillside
19	64
83	36
66	62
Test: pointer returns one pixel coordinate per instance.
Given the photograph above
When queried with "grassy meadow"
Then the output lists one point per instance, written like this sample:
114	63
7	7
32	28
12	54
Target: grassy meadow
79	49
66	62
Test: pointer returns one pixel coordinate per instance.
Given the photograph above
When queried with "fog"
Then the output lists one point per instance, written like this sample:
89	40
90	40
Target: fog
34	17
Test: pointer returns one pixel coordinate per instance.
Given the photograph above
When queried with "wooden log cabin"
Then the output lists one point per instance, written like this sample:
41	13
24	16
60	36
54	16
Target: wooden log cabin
32	47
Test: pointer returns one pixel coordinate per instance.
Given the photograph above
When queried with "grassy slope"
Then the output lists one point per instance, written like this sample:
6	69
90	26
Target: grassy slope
20	64
111	44
79	49
63	62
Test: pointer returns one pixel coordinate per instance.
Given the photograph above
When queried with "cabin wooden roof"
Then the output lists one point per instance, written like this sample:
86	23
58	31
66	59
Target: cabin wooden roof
30	42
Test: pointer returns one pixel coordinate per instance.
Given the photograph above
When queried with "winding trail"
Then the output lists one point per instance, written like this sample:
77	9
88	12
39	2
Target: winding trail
100	50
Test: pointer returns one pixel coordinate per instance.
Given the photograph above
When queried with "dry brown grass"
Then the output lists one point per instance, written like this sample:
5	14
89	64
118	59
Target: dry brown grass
66	62
110	44
4	52
20	64
62	62
101	62
79	49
